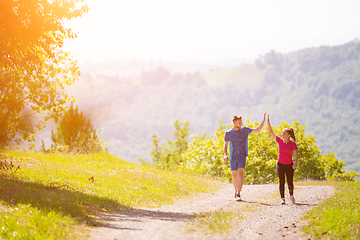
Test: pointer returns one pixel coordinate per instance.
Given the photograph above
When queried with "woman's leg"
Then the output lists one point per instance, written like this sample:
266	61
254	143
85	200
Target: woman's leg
281	174
290	178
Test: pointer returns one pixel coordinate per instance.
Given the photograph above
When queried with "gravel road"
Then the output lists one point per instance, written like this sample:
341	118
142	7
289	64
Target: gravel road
268	220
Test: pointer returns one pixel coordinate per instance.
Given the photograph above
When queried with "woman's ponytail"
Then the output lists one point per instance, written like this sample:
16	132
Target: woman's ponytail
290	131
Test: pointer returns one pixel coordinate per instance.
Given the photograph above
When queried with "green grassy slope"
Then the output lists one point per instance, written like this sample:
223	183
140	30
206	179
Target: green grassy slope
56	196
339	216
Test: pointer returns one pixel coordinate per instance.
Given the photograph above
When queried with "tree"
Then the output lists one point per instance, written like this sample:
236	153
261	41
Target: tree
33	68
170	156
154	77
76	134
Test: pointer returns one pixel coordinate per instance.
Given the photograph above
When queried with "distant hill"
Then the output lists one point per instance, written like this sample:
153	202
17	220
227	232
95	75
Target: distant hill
320	87
246	76
133	68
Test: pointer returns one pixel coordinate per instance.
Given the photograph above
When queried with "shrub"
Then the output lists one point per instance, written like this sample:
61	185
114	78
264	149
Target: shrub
204	156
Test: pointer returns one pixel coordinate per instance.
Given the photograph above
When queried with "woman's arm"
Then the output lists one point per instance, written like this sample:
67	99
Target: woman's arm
296	158
270	129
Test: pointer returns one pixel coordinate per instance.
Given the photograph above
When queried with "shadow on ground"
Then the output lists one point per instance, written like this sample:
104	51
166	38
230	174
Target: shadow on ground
277	204
138	215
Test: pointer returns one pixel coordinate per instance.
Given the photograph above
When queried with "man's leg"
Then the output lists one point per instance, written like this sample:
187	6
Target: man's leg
235	179
240	179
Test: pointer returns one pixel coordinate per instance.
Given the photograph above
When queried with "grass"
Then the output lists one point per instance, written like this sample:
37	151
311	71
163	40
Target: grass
337	217
314	182
26	222
63	192
216	221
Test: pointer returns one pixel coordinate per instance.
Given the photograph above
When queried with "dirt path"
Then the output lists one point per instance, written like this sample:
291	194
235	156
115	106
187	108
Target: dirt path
270	220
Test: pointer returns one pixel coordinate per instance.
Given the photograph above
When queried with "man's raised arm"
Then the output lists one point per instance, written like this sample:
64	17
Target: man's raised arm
258	129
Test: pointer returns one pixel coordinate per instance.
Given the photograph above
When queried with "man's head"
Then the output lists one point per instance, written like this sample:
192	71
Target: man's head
237	120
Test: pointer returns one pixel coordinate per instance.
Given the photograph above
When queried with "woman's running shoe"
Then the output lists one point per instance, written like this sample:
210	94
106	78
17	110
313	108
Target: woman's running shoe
292	199
282	201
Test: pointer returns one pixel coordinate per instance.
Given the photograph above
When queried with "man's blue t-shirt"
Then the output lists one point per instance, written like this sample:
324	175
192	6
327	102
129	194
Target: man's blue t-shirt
238	142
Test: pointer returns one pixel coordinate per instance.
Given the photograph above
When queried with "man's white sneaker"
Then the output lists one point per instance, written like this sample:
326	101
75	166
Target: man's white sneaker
292	199
238	198
282	201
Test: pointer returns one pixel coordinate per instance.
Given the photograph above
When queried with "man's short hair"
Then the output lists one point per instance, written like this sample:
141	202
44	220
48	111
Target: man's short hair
236	117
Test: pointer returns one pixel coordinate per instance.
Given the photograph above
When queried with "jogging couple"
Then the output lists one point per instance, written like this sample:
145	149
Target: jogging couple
237	137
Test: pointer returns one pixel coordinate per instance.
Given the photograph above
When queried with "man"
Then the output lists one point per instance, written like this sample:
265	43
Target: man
238	138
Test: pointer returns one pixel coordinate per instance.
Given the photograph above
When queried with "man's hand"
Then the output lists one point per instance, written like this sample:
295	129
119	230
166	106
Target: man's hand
226	158
258	129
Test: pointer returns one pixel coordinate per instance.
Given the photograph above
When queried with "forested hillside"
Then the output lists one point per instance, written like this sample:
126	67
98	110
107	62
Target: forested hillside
320	87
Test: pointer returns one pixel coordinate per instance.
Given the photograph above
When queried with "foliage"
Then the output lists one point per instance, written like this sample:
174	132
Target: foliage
337	217
167	157
50	191
335	169
205	156
75	134
33	68
202	156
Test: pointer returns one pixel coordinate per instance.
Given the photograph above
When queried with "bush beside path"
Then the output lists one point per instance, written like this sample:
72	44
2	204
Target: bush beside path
260	215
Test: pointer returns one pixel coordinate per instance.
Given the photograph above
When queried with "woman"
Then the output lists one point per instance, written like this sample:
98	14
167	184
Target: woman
285	164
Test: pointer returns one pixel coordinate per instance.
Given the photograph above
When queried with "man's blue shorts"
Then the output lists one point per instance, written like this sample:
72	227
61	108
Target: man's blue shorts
238	162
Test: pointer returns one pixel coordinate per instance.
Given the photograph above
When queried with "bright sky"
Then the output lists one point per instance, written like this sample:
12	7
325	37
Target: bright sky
209	31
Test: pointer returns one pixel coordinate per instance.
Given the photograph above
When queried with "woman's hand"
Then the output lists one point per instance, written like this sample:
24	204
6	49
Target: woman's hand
270	129
296	158
226	158
294	166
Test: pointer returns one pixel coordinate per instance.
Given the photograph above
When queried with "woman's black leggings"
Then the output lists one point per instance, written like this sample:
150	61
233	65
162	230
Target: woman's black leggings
287	169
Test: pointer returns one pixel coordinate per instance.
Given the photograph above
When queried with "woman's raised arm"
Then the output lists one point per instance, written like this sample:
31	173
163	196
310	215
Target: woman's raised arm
270	129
